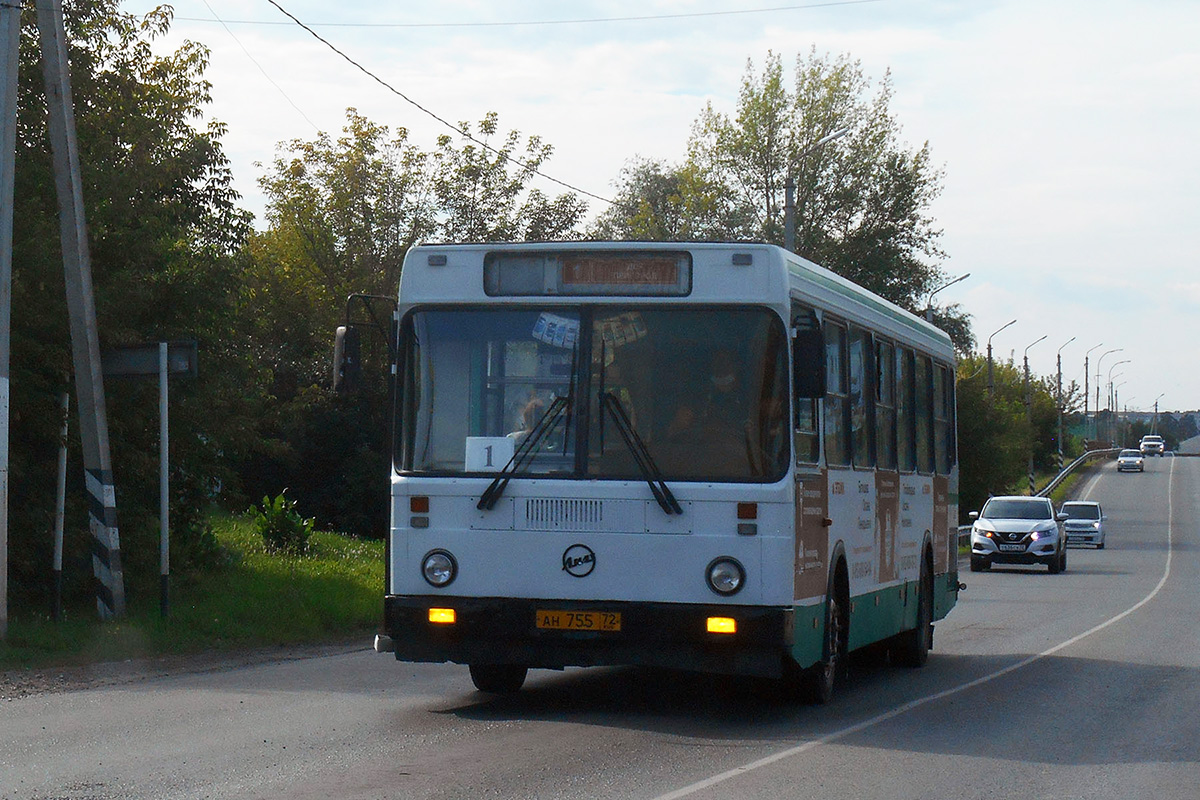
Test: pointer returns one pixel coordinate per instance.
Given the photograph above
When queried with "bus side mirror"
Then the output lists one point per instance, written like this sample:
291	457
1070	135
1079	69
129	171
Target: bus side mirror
347	366
808	364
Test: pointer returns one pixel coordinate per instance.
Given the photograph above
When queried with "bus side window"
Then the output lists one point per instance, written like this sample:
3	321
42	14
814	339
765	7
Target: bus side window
905	400
837	401
808	382
943	434
885	404
862	397
924	414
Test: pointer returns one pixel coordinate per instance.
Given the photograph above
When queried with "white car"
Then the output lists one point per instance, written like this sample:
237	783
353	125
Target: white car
1084	523
1130	461
1018	530
1152	445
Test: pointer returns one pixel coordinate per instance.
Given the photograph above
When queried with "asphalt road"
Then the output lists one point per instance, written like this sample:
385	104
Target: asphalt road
1080	685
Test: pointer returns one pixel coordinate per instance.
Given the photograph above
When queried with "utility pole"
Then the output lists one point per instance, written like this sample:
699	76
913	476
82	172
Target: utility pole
81	307
10	41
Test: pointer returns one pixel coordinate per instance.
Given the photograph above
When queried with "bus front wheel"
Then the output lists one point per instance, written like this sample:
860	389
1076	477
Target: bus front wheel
498	678
818	681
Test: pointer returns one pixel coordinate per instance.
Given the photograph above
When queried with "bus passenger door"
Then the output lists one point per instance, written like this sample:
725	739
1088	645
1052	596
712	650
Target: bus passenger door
812	492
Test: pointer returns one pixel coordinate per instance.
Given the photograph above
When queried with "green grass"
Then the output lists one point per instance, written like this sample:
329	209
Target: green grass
259	599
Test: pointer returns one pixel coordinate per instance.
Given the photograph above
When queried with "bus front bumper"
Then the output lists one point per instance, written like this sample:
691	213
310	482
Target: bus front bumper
668	635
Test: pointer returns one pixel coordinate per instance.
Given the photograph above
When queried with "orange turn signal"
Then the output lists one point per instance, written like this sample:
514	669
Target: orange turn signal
747	511
442	616
722	625
418	504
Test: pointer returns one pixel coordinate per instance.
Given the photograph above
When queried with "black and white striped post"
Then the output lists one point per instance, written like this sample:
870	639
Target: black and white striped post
81	308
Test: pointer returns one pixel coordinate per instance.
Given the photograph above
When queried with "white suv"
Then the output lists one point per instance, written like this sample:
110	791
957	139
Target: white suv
1152	445
1018	530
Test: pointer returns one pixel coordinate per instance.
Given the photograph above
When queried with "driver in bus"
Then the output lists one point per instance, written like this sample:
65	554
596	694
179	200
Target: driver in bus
717	422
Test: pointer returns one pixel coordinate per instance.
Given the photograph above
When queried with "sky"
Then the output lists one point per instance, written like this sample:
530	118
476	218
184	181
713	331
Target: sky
1066	129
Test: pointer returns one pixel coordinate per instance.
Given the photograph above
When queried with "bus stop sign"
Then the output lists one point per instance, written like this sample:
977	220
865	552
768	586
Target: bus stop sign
141	360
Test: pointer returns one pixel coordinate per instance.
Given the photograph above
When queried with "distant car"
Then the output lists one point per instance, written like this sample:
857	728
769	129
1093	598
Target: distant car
1152	445
1018	530
1130	461
1084	523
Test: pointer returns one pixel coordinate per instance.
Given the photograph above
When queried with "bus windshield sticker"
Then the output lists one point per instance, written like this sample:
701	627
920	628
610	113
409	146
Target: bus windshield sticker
555	330
488	453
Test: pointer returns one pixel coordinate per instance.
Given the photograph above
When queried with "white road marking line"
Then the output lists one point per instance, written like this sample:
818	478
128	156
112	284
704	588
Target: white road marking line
909	706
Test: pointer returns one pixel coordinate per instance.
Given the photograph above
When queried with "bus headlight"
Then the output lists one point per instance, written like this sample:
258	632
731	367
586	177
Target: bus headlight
725	576
439	568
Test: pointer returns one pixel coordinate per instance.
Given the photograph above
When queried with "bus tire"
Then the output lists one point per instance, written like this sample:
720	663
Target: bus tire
498	678
819	680
911	648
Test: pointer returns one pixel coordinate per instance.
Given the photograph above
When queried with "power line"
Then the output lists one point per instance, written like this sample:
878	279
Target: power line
260	67
429	113
534	23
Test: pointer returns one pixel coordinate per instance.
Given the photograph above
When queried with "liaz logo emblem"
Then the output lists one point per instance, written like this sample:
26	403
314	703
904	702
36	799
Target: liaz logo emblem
579	560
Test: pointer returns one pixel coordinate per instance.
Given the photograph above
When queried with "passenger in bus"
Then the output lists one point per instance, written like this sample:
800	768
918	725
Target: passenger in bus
530	414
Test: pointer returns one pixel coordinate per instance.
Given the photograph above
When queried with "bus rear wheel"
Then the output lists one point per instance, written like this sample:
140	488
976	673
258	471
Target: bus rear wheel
911	648
498	678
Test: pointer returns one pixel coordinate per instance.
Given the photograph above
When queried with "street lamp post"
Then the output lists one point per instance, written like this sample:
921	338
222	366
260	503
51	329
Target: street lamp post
1086	389
991	383
1109	383
1111	423
1154	423
1100	361
1060	402
789	203
1029	410
929	304
1116	411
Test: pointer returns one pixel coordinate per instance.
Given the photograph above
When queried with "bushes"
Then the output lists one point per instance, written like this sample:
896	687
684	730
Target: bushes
281	526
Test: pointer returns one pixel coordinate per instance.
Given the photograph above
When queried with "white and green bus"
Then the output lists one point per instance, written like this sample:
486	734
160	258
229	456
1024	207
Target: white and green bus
710	457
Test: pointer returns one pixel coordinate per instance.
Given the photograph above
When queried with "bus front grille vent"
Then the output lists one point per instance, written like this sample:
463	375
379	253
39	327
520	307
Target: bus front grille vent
545	514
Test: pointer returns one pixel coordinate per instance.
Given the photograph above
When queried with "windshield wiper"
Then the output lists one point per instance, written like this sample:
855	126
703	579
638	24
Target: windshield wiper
641	455
524	452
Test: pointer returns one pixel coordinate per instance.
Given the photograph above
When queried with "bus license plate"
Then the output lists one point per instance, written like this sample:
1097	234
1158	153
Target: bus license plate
1012	548
606	621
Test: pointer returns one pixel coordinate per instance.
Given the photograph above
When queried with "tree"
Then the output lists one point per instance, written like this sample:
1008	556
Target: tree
658	202
862	199
479	189
164	231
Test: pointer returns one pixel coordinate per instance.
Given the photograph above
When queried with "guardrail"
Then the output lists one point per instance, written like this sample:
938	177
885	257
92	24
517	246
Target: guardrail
1067	470
964	531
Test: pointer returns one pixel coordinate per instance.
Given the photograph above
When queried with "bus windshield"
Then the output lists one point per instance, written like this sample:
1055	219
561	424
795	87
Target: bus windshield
703	391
